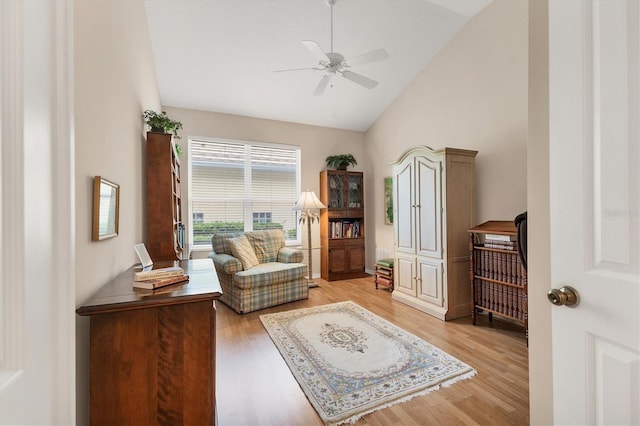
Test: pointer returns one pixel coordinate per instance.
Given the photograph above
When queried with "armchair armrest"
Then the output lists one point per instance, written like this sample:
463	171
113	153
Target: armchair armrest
226	262
289	255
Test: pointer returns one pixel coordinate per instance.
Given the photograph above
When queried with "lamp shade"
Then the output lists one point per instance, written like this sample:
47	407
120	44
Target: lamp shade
308	200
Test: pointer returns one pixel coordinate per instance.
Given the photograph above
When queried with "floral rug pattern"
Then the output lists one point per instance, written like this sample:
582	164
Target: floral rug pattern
350	362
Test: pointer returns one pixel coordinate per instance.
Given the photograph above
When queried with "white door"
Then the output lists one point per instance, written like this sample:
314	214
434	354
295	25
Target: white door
37	301
594	52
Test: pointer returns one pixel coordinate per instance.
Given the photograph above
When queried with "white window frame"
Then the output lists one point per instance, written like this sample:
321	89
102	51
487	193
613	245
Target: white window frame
248	214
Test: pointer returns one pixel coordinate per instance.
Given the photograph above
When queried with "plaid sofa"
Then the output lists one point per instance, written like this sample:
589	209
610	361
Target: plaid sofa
279	277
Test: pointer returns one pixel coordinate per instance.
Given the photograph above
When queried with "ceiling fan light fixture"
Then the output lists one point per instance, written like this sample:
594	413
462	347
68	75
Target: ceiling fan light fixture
333	62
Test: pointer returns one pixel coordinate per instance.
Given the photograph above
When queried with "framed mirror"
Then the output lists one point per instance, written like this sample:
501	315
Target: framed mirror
106	208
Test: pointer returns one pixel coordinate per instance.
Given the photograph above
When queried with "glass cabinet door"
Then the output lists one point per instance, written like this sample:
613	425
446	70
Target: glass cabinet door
355	191
336	191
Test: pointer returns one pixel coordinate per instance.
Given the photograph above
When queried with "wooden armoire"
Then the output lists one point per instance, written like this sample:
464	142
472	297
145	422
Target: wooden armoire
433	203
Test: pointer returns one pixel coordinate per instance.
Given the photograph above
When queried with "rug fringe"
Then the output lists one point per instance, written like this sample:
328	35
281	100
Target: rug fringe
446	384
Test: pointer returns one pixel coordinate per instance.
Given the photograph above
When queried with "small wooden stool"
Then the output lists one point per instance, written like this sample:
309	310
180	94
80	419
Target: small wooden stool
384	273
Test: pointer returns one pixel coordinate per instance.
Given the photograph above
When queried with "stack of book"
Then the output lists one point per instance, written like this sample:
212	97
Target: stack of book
502	242
161	277
384	273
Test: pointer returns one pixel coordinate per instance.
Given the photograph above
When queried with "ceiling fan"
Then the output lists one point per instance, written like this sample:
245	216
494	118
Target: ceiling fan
333	63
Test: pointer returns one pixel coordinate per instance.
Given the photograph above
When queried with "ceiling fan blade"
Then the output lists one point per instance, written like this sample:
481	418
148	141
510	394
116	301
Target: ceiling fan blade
359	79
299	69
322	85
316	50
365	58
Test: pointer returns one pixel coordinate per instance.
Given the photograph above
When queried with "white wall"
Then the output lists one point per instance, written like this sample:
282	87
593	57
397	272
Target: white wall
316	143
473	95
114	82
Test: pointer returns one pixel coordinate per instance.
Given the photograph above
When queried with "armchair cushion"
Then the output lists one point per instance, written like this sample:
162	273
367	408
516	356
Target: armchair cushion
219	242
267	274
242	249
266	244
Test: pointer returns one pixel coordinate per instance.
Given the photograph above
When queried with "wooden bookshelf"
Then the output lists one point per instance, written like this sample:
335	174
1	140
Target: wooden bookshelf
342	227
165	230
498	280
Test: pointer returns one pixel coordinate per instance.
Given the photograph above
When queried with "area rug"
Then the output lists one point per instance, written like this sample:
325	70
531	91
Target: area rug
350	362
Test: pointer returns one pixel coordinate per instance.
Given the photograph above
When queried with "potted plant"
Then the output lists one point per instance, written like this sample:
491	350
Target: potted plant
341	161
160	123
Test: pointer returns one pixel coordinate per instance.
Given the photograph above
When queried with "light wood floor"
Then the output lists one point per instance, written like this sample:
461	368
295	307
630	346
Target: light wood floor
255	386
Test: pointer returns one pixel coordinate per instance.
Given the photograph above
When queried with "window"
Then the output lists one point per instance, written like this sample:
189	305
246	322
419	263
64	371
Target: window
238	186
262	217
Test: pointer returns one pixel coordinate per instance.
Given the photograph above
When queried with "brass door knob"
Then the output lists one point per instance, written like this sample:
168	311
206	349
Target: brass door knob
564	296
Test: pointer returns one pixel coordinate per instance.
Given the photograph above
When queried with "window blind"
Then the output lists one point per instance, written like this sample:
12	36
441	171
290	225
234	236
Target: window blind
233	183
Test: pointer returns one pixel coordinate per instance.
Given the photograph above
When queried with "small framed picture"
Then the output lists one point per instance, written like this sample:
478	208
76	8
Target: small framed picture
388	201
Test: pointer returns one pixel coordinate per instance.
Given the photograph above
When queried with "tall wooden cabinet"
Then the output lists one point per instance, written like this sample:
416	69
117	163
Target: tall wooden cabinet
342	229
165	230
433	203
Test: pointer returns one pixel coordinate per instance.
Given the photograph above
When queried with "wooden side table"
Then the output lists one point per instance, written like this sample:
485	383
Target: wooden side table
384	273
152	353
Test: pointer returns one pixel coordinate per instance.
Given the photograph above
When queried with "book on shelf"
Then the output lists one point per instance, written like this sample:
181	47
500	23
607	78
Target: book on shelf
501	245
383	280
499	237
172	271
155	283
383	275
345	229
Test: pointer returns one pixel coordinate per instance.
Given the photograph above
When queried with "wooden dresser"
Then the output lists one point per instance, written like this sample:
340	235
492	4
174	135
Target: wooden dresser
152	353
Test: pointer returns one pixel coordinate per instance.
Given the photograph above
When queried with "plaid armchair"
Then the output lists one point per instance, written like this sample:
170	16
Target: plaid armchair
278	277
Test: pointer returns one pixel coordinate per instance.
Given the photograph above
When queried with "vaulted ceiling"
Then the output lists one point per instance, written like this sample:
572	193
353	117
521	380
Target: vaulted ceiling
219	55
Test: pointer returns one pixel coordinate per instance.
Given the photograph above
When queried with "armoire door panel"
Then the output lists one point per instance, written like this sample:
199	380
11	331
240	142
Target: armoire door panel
430	281
429	207
404	210
405	276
